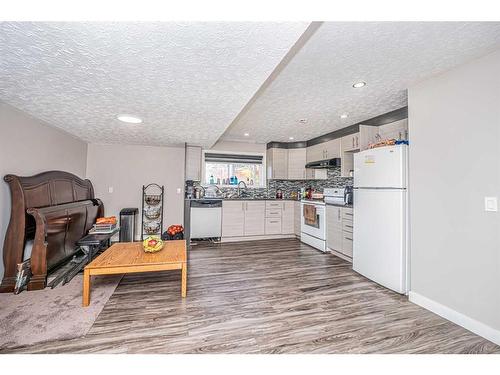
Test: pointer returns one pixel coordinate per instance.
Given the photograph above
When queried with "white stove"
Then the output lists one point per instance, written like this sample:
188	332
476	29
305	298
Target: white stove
313	224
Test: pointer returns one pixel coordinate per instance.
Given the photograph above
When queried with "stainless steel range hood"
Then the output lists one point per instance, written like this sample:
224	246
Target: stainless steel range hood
329	163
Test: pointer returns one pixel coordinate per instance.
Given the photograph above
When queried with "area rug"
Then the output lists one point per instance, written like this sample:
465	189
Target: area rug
52	314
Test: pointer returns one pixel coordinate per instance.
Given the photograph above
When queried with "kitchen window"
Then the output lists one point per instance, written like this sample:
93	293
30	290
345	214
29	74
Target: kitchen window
229	169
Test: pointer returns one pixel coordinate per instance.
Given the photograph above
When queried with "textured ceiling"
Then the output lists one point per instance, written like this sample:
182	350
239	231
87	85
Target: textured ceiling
187	81
317	83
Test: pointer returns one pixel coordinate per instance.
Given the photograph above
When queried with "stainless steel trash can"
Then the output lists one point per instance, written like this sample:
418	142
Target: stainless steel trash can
128	218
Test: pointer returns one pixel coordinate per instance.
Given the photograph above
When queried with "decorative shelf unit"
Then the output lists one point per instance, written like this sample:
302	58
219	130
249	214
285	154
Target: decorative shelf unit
152	210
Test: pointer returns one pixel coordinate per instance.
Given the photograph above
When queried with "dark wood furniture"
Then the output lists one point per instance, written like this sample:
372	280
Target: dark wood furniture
54	209
90	245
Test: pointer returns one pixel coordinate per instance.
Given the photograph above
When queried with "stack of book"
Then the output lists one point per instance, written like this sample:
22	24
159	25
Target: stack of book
104	225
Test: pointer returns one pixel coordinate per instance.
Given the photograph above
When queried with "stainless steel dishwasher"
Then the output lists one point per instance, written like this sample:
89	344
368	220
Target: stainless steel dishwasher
205	218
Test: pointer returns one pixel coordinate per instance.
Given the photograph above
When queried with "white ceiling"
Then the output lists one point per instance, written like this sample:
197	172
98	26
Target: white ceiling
197	82
187	81
317	83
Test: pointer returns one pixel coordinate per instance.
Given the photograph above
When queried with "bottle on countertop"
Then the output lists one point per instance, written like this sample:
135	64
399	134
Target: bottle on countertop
279	194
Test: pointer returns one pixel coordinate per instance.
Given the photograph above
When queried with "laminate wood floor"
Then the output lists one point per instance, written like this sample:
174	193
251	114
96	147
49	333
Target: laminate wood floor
277	296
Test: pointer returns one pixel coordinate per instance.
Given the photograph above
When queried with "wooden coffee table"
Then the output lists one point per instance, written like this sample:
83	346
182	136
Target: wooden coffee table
129	257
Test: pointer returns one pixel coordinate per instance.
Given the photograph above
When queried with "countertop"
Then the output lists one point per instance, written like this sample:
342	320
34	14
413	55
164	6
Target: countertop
266	199
243	199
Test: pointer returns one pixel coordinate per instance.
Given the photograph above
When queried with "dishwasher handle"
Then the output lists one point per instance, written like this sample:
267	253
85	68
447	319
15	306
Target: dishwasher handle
208	203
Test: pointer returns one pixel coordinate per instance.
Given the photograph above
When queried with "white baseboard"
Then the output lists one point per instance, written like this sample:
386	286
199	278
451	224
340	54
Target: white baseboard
454	316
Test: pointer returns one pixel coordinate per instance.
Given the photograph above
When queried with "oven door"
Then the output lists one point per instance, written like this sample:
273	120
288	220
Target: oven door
318	228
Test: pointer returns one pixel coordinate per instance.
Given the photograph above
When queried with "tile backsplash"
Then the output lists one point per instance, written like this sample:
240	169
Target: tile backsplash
288	186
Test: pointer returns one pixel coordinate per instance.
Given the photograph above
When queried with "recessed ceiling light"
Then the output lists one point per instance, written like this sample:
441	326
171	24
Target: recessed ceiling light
359	84
246	134
343	115
290	138
303	120
129	119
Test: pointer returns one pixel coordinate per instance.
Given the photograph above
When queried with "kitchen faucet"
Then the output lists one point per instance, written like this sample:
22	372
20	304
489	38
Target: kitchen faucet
241	182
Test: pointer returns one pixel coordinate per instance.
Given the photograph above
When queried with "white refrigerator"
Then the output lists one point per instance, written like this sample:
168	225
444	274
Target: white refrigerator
380	236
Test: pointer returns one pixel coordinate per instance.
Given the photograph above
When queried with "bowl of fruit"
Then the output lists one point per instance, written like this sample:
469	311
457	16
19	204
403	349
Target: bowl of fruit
174	232
152	244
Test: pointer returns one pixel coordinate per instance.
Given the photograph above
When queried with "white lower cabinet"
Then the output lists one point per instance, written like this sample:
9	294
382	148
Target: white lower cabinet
273	225
251	218
273	217
334	227
254	218
233	218
287	217
347	244
347	229
339	230
297	218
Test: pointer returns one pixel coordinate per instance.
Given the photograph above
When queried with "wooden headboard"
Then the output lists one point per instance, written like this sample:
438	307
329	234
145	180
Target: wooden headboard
45	189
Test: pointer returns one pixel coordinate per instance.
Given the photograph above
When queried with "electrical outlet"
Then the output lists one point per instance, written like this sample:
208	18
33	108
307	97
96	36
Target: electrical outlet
490	204
179	190
110	189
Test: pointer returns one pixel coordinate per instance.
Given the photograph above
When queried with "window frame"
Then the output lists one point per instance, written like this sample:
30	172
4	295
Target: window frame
264	169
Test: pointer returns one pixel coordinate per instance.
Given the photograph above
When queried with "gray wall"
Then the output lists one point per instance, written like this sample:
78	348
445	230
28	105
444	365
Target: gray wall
454	124
127	168
29	146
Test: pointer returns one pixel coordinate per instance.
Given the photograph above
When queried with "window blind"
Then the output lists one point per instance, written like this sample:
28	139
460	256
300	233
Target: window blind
233	158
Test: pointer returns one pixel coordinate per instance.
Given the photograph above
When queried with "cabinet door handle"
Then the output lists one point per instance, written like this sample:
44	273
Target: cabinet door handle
274	221
348	213
339	214
352	141
348	226
406	134
348	238
357	141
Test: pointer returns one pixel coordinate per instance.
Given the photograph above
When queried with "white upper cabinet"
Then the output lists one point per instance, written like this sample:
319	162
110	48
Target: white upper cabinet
397	130
332	149
277	163
373	134
297	163
315	153
323	151
350	142
367	135
193	163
